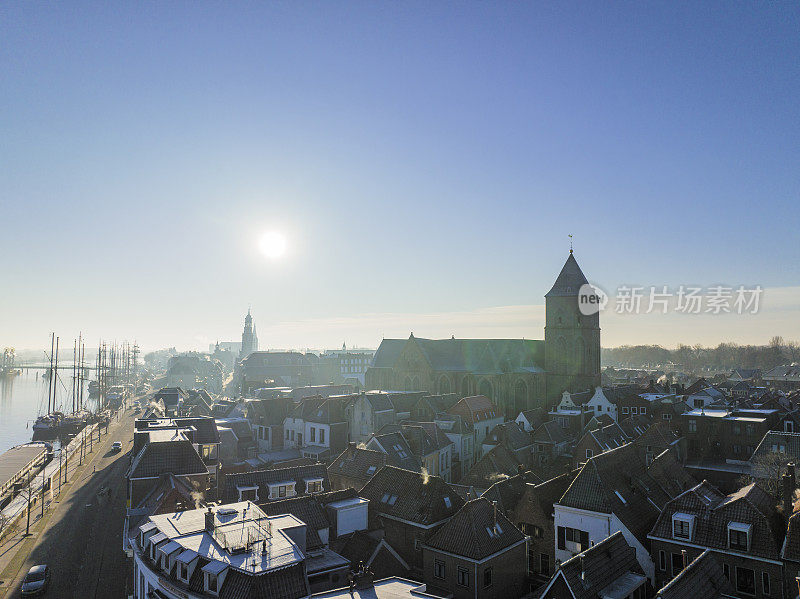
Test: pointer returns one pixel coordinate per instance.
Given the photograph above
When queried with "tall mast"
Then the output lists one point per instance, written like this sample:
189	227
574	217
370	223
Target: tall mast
55	376
50	381
74	376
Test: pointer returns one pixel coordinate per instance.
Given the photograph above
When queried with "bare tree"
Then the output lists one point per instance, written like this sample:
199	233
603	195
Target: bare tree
767	470
28	493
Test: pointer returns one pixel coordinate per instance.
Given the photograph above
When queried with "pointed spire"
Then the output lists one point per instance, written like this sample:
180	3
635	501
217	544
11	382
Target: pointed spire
569	280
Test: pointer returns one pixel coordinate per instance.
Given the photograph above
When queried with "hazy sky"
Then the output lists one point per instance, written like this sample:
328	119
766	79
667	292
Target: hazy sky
424	160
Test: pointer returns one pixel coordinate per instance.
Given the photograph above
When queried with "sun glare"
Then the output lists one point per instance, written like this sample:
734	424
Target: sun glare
272	244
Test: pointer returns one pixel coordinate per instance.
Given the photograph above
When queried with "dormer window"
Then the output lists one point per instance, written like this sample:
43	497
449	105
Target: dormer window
313	485
682	525
447	502
248	493
738	536
213	583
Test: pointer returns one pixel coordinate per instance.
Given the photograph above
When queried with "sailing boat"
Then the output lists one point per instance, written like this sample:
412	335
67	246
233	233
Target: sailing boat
47	426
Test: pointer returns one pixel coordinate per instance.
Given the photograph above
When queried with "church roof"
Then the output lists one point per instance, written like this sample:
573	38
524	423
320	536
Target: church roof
569	280
470	355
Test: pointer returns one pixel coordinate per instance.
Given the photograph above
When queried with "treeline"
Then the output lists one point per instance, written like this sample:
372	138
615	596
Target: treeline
696	357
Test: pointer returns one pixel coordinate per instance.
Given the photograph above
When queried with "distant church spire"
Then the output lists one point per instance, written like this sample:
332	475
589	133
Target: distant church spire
249	336
570	242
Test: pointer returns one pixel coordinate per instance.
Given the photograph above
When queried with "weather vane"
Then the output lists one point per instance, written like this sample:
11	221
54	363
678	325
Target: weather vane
570	242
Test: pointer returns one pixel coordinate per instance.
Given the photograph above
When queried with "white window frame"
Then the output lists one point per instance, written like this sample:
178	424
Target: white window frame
740	527
687	519
246	488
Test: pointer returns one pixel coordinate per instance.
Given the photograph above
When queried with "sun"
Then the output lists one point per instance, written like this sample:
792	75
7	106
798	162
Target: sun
272	244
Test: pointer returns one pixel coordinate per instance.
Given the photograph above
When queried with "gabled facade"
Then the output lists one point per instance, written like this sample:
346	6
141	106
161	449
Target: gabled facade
478	553
617	491
409	507
481	414
609	569
742	530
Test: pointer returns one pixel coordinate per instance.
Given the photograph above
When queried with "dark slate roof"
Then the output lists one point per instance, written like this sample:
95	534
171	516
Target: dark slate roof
496	464
508	492
549	432
696	386
206	428
569	280
468	355
789	441
380	402
388	352
357	462
398	451
267	412
329	411
419	498
475	409
307	406
702	579
262	478
476	531
713	510
161	457
424	437
375	553
602	564
311	510
534	416
438	403
635	426
609	437
550	491
283	583
509	434
623	472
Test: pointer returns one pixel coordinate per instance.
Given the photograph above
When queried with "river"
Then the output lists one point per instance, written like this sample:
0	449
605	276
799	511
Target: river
24	397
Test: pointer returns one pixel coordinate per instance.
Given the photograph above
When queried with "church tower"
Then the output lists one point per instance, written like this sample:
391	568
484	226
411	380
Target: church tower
572	339
249	337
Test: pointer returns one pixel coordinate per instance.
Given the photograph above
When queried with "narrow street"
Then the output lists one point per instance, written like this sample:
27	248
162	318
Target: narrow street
80	537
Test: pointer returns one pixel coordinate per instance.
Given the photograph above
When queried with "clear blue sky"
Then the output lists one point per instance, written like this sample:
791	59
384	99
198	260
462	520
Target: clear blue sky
421	158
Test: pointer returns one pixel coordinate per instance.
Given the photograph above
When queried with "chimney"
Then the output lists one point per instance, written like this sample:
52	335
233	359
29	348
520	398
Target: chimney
787	489
520	468
494	511
684	558
583	570
209	520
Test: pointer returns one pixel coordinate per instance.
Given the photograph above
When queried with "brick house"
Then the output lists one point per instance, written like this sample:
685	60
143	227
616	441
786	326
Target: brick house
617	491
533	515
409	507
744	531
478	553
718	434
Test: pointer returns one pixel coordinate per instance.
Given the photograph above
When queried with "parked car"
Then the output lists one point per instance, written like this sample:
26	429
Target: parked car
116	446
36	581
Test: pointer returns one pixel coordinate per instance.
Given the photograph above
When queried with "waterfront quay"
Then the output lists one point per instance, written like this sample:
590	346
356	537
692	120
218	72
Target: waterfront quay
77	529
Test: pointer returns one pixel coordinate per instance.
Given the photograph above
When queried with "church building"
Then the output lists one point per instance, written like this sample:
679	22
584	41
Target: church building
249	337
517	374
